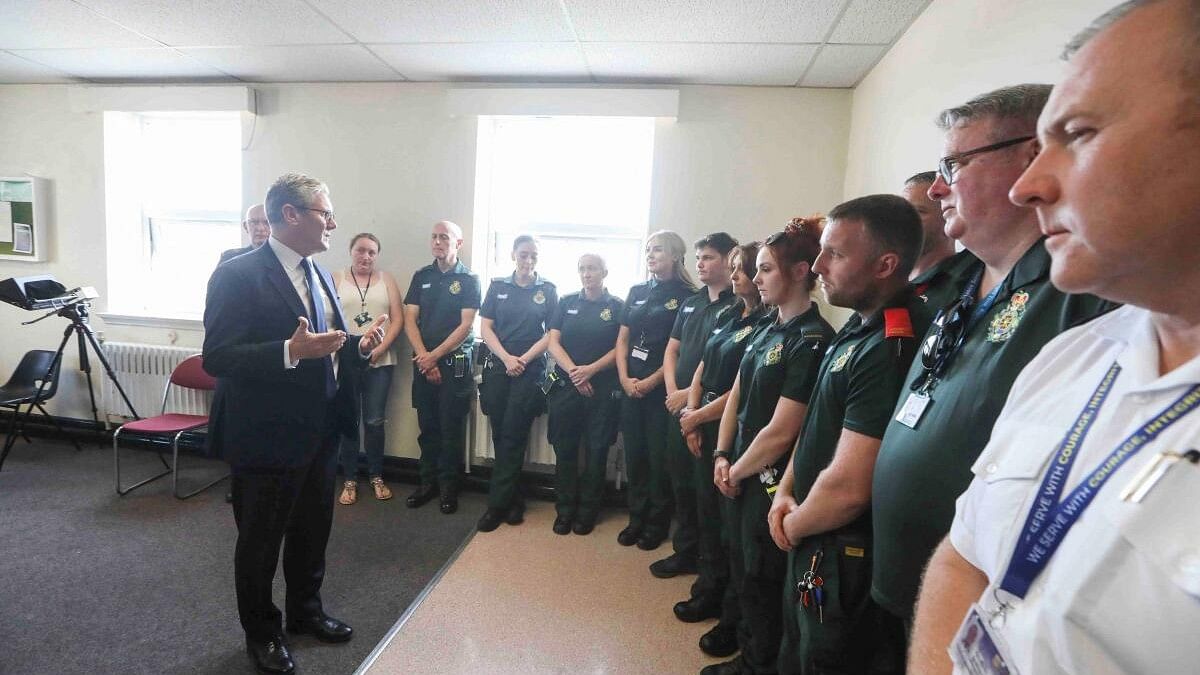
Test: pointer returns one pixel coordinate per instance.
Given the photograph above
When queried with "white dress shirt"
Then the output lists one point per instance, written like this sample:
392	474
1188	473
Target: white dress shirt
291	262
1122	592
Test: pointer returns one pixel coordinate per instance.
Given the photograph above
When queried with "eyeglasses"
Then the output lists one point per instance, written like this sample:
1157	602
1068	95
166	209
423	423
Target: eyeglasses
256	222
327	215
947	336
949	165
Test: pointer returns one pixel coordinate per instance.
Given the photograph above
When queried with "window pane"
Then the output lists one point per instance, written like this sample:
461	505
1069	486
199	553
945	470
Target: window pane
183	256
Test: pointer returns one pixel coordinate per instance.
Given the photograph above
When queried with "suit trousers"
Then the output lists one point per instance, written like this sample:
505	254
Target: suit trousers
291	508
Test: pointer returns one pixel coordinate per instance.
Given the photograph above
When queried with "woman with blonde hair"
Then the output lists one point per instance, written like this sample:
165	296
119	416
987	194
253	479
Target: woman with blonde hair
646	324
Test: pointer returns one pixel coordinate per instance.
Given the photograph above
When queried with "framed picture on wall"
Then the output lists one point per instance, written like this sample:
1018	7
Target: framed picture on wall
23	204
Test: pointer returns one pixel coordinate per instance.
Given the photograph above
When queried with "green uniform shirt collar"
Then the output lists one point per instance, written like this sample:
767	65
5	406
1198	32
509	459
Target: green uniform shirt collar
459	268
856	325
1033	266
512	280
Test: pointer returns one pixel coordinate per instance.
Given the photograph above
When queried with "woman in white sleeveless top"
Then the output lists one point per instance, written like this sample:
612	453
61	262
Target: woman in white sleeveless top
366	292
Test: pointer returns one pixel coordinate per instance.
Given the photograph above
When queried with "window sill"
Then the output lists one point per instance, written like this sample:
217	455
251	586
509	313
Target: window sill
151	321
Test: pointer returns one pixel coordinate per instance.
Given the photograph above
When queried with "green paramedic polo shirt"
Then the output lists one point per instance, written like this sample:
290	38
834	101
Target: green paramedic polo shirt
921	472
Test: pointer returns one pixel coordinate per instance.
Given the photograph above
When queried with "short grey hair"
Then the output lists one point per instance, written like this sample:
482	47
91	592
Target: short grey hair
1021	103
1191	41
296	189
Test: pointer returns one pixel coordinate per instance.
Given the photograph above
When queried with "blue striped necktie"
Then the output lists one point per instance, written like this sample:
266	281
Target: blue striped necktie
318	321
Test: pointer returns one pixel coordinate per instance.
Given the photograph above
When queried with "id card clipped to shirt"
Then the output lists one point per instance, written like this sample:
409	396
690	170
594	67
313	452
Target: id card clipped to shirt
977	649
913	409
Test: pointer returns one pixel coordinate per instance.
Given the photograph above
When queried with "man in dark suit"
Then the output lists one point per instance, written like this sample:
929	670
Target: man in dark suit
275	340
256	226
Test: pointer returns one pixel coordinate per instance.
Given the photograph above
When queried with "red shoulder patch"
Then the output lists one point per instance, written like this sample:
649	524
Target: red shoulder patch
897	323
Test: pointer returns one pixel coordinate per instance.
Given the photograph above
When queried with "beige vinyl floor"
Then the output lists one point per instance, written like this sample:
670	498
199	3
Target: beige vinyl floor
525	600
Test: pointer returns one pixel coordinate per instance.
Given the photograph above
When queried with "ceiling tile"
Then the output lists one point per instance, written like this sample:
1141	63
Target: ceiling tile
703	20
842	65
215	23
318	63
876	21
766	65
124	65
378	21
37	24
16	70
515	61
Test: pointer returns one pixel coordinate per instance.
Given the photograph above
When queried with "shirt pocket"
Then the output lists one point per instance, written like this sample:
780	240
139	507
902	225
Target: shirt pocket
1132	604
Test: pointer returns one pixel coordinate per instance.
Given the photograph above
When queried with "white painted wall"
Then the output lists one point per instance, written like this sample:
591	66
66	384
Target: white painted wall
740	159
955	50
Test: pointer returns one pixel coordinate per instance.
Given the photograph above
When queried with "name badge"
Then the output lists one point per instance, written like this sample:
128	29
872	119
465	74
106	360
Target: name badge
426	285
639	353
688	310
640	302
913	409
502	296
572	311
977	650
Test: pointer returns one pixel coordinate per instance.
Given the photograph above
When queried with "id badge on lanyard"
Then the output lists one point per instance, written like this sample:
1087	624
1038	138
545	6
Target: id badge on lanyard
978	649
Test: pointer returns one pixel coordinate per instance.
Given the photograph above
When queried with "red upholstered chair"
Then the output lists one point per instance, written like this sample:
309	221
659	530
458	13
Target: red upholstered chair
189	374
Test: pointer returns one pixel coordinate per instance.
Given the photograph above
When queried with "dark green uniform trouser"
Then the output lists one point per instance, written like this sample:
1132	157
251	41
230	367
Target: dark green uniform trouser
856	632
575	418
644	427
442	418
681	466
712	585
758	568
511	404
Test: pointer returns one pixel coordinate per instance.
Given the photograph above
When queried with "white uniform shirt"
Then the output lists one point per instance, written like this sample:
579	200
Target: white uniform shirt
1122	592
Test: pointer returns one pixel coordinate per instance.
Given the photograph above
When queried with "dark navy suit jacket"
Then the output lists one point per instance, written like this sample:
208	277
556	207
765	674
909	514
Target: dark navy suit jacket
263	414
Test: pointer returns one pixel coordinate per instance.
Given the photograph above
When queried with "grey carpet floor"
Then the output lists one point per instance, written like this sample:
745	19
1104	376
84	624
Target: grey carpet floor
95	583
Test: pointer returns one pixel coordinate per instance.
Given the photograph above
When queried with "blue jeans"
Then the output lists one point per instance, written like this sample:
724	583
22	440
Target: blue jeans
376	383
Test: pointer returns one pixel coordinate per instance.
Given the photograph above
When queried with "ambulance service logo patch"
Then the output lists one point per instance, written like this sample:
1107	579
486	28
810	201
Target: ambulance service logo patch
842	359
455	287
773	354
539	298
1005	323
741	334
672	304
606	314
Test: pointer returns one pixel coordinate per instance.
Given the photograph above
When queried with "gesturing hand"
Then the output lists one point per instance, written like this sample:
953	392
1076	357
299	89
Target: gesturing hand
373	335
306	344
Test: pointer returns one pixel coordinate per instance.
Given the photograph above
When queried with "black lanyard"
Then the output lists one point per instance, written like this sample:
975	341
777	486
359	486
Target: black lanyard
362	293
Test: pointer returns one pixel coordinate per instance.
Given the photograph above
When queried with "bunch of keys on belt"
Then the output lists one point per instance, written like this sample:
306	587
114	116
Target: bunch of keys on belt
808	588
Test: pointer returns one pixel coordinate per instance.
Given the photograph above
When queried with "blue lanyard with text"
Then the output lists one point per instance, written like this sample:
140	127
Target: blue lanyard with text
1050	518
984	306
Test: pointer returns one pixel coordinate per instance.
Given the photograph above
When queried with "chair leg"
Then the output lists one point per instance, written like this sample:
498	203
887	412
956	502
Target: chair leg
10	439
175	472
57	426
117	468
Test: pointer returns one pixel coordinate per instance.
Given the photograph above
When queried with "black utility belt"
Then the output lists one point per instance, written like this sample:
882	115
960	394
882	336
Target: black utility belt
460	361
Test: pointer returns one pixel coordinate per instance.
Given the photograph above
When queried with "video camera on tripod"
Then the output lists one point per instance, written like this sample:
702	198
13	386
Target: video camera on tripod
44	292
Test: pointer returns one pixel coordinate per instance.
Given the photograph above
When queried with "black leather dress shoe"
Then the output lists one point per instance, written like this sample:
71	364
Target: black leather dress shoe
584	525
720	641
449	502
630	535
673	565
420	496
650	540
324	627
562	525
516	514
271	656
490	520
697	609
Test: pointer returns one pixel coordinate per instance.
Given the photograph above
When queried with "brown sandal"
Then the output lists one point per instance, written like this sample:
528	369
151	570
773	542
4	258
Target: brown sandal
349	493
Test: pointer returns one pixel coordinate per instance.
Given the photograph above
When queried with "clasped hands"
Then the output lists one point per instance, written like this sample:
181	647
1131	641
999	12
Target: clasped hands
305	344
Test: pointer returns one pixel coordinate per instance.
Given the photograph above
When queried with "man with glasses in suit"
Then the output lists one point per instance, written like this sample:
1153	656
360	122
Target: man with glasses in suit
255	225
1005	310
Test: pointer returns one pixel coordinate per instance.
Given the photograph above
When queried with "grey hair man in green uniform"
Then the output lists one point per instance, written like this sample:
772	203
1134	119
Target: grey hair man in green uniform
1006	309
439	311
822	510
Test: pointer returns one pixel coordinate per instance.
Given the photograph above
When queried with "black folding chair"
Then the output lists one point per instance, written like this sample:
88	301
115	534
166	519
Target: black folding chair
25	387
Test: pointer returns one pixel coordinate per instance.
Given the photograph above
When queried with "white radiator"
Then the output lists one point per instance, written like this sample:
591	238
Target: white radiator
144	371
